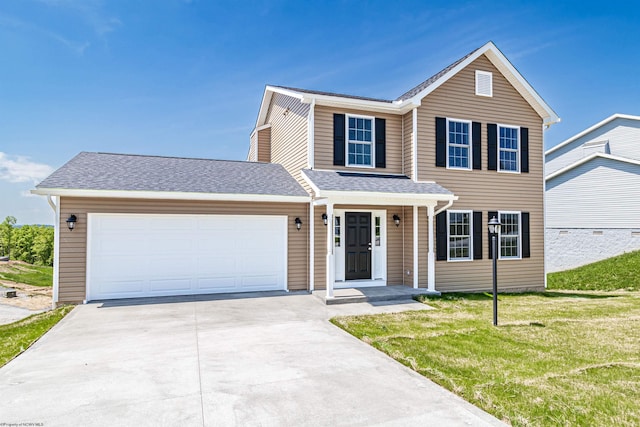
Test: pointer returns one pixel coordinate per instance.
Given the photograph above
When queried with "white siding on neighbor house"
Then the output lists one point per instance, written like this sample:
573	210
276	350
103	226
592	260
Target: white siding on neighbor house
601	193
622	134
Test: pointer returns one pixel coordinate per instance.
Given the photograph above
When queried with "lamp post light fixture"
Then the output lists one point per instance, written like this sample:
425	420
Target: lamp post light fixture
396	219
298	223
325	219
494	231
71	222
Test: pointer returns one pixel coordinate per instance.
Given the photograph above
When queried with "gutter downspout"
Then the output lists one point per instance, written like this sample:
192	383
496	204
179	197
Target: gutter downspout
56	250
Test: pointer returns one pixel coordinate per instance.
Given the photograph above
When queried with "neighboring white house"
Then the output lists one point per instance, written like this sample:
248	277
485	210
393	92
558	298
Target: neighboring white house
592	203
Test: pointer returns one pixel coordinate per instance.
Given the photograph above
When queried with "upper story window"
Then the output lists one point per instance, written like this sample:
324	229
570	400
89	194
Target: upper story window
360	137
510	235
458	144
484	83
509	149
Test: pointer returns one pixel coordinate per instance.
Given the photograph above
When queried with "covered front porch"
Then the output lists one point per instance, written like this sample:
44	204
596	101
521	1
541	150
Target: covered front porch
370	231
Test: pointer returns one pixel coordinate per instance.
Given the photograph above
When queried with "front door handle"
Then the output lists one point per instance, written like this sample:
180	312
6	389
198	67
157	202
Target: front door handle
369	246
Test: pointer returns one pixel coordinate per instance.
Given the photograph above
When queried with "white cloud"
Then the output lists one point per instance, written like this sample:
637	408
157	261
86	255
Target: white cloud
17	169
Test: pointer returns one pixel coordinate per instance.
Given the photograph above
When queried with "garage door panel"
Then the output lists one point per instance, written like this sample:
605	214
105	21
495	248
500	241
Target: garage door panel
170	285
144	255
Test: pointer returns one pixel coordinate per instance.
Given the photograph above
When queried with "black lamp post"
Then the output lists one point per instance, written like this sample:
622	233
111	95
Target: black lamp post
494	230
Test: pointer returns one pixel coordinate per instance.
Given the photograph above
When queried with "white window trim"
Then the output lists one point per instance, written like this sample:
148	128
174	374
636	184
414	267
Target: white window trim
373	140
450	119
518	151
449	259
519	236
485	73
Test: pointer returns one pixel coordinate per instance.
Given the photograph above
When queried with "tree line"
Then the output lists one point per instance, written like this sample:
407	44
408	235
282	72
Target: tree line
28	243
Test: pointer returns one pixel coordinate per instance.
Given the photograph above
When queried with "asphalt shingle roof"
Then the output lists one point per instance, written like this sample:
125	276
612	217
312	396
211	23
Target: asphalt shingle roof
349	181
342	95
106	171
408	94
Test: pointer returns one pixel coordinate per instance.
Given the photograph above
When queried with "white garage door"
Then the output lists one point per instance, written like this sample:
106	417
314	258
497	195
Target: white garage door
130	256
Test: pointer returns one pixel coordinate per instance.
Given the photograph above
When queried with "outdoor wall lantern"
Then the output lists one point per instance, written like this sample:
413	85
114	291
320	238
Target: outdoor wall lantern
298	223
325	219
396	219
71	222
494	231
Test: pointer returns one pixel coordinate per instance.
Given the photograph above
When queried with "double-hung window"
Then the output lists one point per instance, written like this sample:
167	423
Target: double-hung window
460	234
510	235
458	144
509	149
360	135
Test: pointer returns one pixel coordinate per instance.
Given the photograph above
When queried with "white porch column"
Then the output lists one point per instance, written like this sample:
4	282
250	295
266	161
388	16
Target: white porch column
431	259
312	246
330	259
415	247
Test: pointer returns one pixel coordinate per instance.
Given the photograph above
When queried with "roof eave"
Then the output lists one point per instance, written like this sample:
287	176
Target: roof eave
588	159
169	195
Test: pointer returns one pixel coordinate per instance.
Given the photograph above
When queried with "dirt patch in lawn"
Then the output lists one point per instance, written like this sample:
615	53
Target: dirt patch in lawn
29	297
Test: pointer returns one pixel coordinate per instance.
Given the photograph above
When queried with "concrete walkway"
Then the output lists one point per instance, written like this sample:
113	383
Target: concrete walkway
269	361
10	314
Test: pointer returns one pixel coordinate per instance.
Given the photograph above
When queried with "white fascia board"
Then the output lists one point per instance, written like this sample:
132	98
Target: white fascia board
313	186
168	195
375	198
358	104
266	100
508	70
591	129
588	159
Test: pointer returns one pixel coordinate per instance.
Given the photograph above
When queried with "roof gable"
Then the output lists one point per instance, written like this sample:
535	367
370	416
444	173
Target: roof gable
590	130
414	96
588	159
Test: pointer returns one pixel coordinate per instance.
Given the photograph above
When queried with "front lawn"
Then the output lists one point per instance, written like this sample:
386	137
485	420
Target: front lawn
557	358
21	272
18	336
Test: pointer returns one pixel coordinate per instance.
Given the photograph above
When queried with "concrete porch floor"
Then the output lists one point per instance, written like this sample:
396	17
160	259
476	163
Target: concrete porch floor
372	294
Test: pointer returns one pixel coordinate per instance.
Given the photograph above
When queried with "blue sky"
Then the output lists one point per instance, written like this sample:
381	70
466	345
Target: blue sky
185	78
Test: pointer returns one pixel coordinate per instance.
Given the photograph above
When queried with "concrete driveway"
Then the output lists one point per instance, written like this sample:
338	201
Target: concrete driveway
269	361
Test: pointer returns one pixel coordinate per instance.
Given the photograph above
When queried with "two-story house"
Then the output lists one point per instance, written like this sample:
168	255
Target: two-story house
338	191
591	205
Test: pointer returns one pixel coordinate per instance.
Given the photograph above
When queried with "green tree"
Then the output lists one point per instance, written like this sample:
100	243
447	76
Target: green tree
43	246
6	234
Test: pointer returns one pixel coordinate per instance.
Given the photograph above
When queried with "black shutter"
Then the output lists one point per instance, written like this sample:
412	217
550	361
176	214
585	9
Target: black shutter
478	226
381	142
338	139
491	215
526	240
441	236
492	145
441	142
476	135
524	150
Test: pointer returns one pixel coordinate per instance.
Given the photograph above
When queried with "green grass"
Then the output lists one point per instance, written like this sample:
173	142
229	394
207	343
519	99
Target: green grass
18	336
620	272
28	274
557	358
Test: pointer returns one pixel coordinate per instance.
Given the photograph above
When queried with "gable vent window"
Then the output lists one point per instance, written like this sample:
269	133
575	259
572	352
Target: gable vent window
484	83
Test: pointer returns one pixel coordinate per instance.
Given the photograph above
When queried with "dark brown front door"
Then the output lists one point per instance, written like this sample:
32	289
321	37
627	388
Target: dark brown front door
358	245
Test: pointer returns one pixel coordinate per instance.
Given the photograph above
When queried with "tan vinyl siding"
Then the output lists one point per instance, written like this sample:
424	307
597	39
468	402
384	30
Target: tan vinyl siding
323	140
484	190
407	122
406	224
288	119
320	252
73	244
264	145
395	238
251	156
